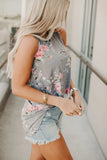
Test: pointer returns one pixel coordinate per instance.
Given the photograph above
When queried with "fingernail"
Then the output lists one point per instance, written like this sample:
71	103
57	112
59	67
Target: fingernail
79	113
80	108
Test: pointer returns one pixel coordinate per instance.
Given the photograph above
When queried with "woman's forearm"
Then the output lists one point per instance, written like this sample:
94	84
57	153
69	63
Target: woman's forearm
35	95
71	84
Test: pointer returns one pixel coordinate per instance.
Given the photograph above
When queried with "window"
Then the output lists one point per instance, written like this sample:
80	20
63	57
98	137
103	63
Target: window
87	46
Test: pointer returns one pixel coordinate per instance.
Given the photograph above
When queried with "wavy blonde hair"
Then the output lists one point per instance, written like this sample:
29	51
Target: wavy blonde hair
43	16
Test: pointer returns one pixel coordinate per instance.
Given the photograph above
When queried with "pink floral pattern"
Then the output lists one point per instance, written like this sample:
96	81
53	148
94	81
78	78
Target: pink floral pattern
48	87
50	56
58	87
23	109
40	52
50	72
69	64
40	74
53	80
40	106
60	75
45	47
30	108
44	78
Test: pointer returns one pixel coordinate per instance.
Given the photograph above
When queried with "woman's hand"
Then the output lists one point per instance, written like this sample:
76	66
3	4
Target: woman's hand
68	107
59	29
77	100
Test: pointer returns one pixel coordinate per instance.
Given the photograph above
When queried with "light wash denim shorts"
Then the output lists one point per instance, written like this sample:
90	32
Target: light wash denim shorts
49	128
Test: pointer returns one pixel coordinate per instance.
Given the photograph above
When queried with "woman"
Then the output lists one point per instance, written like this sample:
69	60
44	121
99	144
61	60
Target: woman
41	64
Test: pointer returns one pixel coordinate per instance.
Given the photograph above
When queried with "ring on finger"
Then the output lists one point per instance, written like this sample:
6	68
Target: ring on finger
81	107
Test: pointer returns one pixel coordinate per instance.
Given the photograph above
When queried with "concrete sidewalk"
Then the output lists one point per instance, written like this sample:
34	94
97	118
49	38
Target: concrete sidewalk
13	146
76	131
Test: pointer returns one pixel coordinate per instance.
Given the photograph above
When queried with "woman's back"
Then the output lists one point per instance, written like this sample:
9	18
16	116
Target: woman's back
51	66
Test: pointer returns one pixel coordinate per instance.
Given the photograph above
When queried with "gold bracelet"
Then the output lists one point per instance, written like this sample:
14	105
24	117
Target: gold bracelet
45	98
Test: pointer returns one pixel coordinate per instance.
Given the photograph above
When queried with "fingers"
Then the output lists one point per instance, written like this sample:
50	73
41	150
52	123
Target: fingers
69	114
78	112
77	109
83	107
73	113
82	110
59	29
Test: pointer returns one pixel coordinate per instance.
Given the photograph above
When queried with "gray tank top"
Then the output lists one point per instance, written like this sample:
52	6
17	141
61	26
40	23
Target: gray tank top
51	73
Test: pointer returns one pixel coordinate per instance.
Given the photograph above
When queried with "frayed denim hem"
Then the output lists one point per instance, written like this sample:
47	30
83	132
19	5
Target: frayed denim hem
40	142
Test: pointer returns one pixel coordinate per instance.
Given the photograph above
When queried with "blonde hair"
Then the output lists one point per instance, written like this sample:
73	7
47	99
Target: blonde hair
43	16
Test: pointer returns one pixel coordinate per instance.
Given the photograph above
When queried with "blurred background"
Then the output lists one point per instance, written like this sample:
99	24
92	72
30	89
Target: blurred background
86	136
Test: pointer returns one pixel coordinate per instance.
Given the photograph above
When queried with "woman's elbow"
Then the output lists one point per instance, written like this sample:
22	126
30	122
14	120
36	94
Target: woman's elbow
17	86
15	89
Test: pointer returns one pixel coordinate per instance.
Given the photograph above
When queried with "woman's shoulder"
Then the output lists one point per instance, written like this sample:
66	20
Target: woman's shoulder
63	35
30	38
29	41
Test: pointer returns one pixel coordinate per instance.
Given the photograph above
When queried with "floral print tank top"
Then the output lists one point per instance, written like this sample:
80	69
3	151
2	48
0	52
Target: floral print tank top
50	73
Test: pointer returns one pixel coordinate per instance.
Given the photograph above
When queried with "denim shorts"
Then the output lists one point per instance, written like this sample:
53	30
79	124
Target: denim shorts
49	128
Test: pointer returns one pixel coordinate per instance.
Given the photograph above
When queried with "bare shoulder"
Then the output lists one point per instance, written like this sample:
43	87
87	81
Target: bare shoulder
63	34
23	61
61	30
28	43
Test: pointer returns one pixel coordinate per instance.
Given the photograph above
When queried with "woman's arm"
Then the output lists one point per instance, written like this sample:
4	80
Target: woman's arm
22	69
76	97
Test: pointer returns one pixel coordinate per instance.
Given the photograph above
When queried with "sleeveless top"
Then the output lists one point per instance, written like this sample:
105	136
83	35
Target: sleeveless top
50	73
